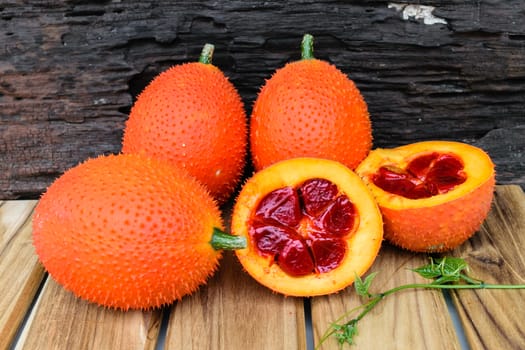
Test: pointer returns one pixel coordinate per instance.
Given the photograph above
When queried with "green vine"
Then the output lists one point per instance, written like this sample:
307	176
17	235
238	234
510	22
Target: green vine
445	273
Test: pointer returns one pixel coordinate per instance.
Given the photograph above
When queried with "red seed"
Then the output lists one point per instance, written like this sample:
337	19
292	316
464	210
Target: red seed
283	216
425	176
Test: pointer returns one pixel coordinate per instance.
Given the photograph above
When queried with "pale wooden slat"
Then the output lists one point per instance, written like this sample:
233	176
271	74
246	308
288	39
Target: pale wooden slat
59	320
493	319
20	272
412	319
234	312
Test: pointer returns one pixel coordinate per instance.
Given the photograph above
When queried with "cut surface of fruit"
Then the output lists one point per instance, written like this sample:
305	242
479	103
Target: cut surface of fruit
312	226
309	108
433	195
127	232
192	116
304	229
425	176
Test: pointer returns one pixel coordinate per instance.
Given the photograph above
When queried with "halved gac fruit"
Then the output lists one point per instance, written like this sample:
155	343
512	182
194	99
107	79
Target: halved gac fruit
433	195
311	224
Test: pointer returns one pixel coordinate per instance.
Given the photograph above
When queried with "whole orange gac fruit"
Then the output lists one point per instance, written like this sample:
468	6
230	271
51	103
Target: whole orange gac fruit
311	225
192	116
127	232
309	108
433	195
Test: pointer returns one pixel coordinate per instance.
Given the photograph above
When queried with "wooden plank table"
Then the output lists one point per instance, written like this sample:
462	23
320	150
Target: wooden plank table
234	312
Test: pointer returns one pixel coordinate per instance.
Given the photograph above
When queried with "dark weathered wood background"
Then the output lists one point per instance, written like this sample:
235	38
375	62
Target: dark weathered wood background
69	70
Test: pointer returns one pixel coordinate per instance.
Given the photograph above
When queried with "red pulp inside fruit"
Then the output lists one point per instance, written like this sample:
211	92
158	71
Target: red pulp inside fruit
425	176
304	229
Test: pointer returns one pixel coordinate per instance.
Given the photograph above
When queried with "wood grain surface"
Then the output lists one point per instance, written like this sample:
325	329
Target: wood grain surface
61	321
234	312
20	272
493	319
413	319
70	70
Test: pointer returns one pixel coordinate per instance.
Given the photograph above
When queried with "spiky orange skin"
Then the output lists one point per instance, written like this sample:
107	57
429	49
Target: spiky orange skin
127	232
309	108
442	222
442	227
192	116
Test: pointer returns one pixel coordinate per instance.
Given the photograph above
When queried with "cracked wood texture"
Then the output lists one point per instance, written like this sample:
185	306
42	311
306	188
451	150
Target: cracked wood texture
69	71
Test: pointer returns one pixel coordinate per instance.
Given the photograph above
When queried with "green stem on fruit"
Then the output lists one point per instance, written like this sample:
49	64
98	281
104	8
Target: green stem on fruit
307	47
221	240
206	54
